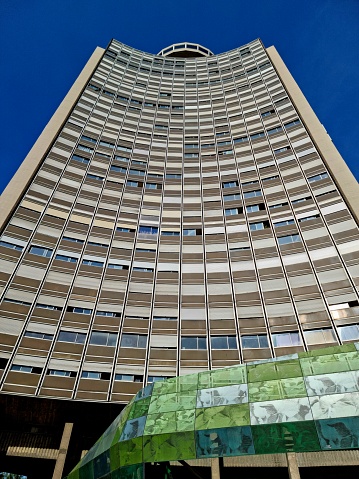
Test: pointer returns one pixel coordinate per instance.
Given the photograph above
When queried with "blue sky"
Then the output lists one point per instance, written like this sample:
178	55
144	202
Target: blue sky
45	44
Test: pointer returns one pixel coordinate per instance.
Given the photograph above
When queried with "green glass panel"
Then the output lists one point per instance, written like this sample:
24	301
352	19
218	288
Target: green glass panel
264	391
144	392
133	428
293	388
233	441
338	433
131	451
170	422
74	474
275	370
173	402
176	385
129	472
86	471
101	464
120	422
115	456
139	408
285	437
222	377
333	363
353	360
346	348
169	447
222	416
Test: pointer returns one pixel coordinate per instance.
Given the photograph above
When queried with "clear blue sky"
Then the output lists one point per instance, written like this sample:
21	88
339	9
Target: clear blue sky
45	43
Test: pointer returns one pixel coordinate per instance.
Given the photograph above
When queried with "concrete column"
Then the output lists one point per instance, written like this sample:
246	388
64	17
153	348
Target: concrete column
64	445
293	469
215	470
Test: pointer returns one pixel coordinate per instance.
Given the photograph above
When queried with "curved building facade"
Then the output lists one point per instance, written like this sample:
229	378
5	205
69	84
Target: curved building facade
179	213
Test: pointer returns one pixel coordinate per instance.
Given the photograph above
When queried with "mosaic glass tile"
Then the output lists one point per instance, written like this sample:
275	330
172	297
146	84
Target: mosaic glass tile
176	385
129	472
235	394
170	422
133	428
131	451
222	416
173	402
222	377
101	464
169	447
347	381
338	433
285	437
335	405
278	389
234	441
284	410
140	408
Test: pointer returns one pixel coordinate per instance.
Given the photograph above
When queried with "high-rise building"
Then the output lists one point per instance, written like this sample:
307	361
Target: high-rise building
180	212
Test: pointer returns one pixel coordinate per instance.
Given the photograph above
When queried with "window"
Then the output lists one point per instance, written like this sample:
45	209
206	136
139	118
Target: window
153	379
280	150
32	334
72	309
124	148
278	205
152	186
72	337
300	200
223	342
286	339
11	246
267	113
226	152
259	226
148	230
319	336
95	177
57	372
120	169
122	158
136	172
274	130
231	197
165	318
22	369
230	184
170	233
116	266
100	338
321	176
81	159
171	176
143	270
252	208
257	135
145	250
46	252
110	314
284	223
88	138
288	239
85	148
251	194
124	230
192	232
69	259
268	178
133	341
291	124
307	218
124	377
348	333
255	342
90	262
240	140
90	375
48	306
231	211
73	240
107	144
193	342
252	182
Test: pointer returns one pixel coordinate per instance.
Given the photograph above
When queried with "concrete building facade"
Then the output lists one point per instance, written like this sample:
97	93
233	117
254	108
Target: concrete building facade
180	212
